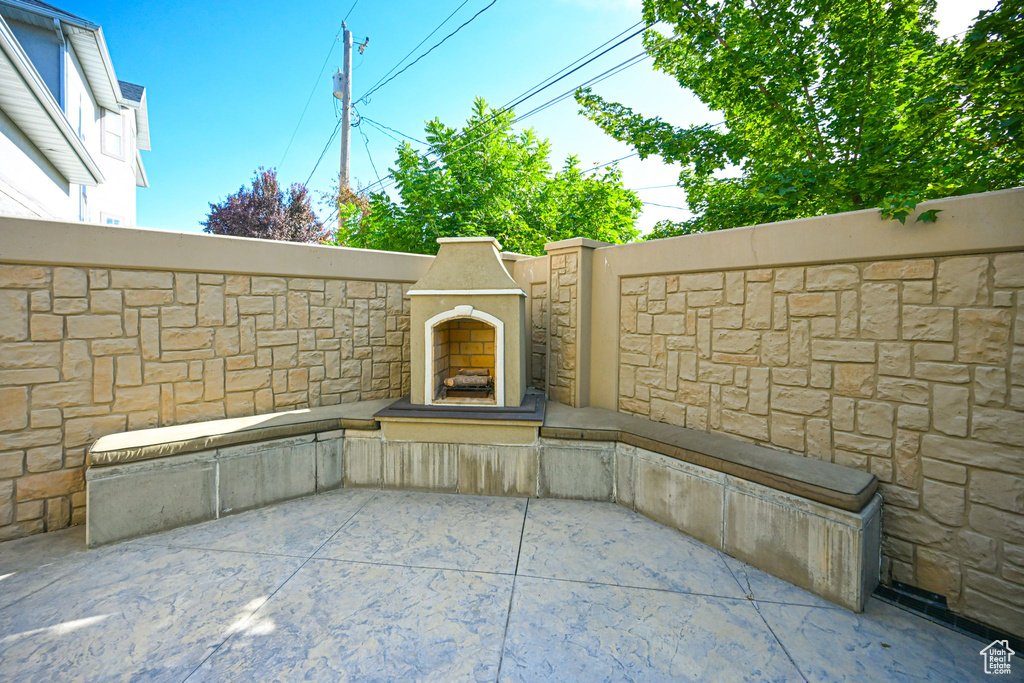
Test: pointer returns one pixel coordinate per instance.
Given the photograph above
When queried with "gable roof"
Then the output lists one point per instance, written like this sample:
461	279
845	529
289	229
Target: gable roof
135	96
91	48
28	102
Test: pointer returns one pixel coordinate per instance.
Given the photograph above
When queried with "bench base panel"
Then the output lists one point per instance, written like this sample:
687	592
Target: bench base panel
830	552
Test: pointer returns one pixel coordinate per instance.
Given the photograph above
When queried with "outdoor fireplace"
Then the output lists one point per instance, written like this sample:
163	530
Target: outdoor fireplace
468	334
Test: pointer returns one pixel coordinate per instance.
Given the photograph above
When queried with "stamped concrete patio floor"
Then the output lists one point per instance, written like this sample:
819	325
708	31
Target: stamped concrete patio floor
385	585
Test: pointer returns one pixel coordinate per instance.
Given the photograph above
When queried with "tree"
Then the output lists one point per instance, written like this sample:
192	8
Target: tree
266	213
488	180
828	107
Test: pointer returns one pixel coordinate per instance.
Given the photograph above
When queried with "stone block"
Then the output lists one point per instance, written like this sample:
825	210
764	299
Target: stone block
94	326
13	408
879	311
185	339
46	327
983	335
994	523
13	315
972	453
832	277
141	279
843	351
1009	270
83	431
70	282
962	281
944	502
787	431
569	471
745	424
913	417
138	499
854	379
902	390
990	386
1000	426
917	269
950	406
875	419
942	372
24	276
998	489
800	401
758	308
49	485
927	323
255	475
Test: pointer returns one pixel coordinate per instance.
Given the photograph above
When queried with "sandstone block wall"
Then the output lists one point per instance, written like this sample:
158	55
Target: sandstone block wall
912	369
563	288
86	352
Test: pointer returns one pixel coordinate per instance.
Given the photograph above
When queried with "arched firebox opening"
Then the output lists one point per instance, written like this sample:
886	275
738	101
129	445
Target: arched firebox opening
465	358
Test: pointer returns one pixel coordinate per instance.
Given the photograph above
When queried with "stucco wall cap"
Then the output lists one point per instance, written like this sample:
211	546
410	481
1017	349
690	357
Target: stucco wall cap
575	242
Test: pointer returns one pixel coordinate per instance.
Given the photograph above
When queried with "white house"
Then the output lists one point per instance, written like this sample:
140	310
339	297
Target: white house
70	131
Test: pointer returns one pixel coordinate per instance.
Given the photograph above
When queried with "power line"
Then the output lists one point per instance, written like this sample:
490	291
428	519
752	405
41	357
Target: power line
349	13
315	84
378	125
436	45
436	29
609	163
337	127
652	187
366	144
665	206
622	66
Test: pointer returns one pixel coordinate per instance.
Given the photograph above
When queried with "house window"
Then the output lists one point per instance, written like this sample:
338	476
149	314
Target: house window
113	131
110	219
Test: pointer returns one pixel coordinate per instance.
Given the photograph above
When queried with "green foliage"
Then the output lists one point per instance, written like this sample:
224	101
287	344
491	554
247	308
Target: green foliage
488	180
829	107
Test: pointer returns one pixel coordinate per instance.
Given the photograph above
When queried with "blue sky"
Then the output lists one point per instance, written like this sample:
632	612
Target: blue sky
227	81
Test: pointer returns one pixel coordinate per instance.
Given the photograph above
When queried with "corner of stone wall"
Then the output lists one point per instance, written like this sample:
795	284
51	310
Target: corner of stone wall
569	298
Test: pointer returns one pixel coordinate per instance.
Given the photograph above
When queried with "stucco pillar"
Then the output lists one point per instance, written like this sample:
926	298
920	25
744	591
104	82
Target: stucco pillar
569	291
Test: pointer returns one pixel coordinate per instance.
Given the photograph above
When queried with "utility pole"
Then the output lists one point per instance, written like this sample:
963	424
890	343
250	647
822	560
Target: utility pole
346	106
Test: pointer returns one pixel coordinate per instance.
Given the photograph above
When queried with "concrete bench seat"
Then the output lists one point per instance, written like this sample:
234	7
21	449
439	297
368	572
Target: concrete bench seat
812	523
150	480
162	442
824	482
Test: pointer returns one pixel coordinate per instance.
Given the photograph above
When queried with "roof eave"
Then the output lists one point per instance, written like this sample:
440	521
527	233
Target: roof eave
85	171
95	60
141	179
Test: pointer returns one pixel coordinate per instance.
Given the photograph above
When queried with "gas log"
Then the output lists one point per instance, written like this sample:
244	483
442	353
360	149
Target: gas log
468	381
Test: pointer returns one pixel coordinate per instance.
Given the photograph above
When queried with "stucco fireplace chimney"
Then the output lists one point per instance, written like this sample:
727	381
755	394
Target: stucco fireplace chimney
468	337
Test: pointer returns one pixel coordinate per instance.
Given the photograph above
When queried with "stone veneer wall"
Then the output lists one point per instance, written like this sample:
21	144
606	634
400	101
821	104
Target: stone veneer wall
538	334
910	369
562	333
89	351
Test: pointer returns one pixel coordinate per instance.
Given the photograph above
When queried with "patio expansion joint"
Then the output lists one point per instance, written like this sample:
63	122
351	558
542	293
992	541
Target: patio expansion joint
512	593
270	597
757	608
410	566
